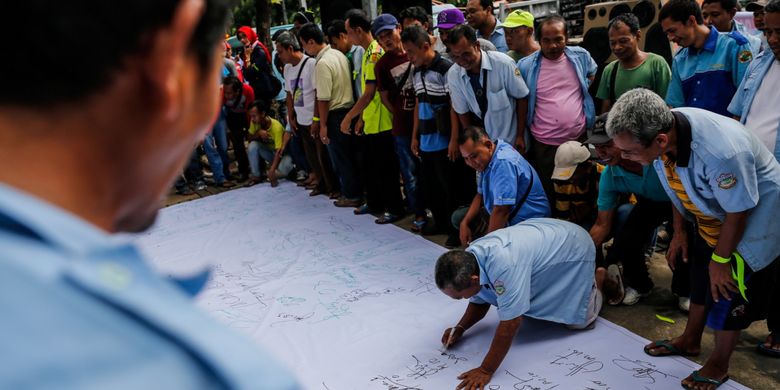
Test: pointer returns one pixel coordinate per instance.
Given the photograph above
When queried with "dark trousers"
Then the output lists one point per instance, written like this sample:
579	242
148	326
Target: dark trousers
542	158
631	241
237	125
343	149
383	188
319	161
440	183
193	172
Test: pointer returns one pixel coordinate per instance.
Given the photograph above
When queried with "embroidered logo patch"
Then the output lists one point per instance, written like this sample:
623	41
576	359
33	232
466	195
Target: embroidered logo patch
499	287
517	72
726	181
745	56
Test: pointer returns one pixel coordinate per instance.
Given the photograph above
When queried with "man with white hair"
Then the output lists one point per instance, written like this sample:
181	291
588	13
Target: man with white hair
720	175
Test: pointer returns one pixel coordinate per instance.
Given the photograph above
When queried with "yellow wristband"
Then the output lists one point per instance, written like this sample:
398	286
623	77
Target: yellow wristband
315	118
721	260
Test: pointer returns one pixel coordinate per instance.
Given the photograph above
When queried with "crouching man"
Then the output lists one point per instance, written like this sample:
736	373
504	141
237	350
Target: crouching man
498	269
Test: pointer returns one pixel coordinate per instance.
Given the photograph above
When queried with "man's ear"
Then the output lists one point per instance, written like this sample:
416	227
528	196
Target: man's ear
167	55
474	280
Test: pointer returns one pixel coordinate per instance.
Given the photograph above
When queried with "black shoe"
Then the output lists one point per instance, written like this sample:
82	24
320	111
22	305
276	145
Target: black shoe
452	242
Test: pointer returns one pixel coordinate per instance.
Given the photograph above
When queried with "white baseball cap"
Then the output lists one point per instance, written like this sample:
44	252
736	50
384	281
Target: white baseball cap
568	156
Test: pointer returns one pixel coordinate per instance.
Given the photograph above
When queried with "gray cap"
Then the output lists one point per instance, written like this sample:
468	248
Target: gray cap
598	135
756	5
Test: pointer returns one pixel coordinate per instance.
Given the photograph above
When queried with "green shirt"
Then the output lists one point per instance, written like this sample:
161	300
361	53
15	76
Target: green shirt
653	74
376	117
276	131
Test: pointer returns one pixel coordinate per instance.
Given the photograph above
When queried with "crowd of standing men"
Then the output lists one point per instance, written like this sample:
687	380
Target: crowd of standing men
386	117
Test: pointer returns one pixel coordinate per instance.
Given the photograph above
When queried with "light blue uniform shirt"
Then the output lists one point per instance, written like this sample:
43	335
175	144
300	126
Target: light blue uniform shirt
708	78
82	311
506	179
583	64
726	169
282	95
497	37
615	181
756	45
505	86
541	268
743	99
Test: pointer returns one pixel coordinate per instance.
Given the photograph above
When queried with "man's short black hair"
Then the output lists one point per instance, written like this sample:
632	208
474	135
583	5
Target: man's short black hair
553	19
336	28
485	4
472	133
416	35
416	13
303	16
461	31
358	18
629	19
727	5
233	83
311	31
86	42
772	7
454	270
680	11
260	105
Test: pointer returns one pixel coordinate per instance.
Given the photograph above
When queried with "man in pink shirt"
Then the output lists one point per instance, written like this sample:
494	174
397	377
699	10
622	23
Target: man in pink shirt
559	106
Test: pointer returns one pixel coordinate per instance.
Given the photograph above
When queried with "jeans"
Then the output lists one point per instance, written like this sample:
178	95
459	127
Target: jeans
257	151
238	124
440	186
193	172
343	155
215	160
409	165
219	132
319	161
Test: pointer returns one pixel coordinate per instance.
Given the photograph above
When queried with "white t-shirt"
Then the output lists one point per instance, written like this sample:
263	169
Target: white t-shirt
764	117
301	89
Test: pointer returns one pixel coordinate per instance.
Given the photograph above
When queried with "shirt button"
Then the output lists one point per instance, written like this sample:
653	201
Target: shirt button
694	145
694	99
698	82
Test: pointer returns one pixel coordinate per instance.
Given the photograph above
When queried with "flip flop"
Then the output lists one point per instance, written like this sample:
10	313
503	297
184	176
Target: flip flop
696	377
363	209
418	225
771	352
671	350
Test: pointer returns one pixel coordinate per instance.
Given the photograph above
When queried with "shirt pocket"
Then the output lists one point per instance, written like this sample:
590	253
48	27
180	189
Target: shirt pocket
498	101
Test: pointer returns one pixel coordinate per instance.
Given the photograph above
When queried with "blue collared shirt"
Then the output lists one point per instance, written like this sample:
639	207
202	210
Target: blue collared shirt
583	64
506	179
743	99
541	268
505	86
707	79
497	37
724	168
81	310
616	181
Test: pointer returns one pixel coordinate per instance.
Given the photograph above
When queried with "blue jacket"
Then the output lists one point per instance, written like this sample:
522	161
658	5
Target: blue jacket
743	99
584	65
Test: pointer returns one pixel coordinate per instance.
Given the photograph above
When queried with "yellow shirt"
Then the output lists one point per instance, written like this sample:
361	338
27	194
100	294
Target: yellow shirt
709	227
333	79
376	117
276	131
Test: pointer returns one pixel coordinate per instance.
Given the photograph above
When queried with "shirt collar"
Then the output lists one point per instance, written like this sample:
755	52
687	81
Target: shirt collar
485	64
499	145
711	41
51	224
684	138
499	29
322	52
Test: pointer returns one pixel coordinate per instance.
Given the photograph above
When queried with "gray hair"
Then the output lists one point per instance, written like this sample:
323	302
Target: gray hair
642	113
454	270
288	40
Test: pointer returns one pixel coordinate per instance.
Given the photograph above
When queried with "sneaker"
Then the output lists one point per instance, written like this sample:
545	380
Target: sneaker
633	296
684	303
301	176
200	185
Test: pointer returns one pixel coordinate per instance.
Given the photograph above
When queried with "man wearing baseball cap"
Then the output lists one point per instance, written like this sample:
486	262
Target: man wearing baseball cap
519	34
575	181
446	21
631	225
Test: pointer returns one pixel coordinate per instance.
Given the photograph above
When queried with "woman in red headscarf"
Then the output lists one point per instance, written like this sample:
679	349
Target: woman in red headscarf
257	65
